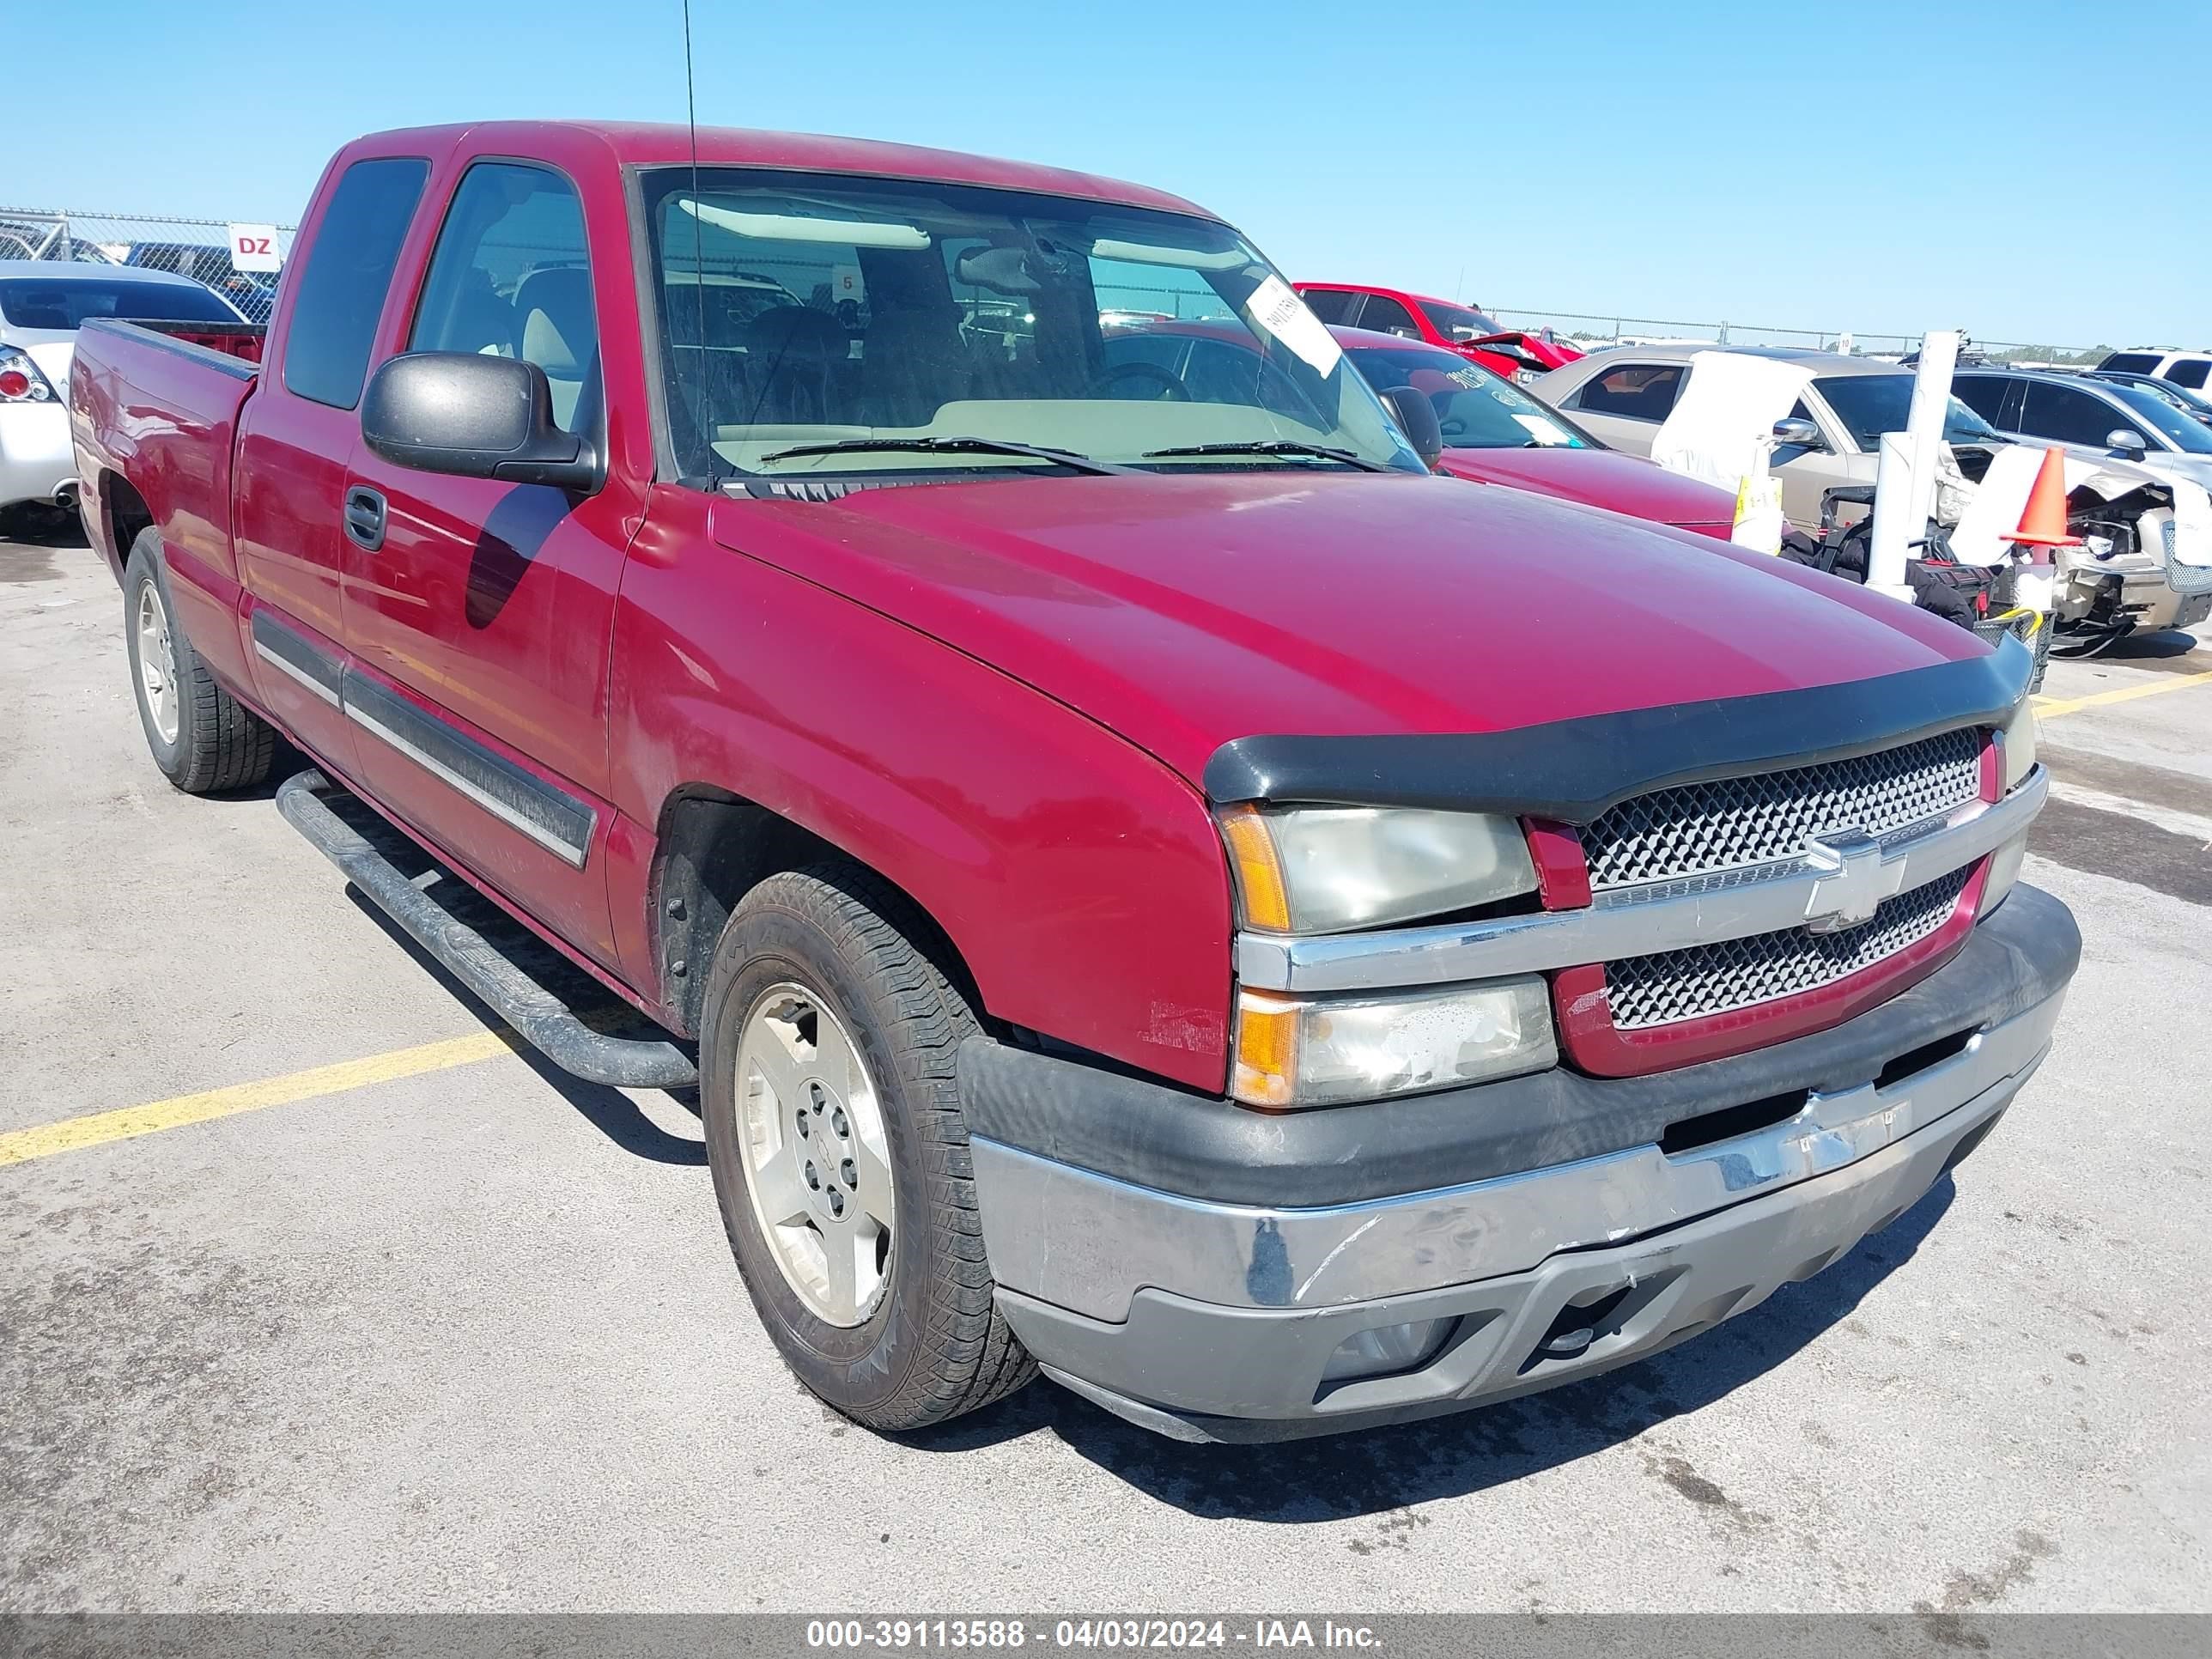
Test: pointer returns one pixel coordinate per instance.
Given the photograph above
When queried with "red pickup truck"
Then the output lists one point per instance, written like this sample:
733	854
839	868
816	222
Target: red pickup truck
1152	886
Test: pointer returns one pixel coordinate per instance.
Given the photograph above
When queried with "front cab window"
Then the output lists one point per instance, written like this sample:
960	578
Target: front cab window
511	278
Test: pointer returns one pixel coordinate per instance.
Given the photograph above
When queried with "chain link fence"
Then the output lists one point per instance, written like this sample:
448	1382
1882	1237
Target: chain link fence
199	248
1592	332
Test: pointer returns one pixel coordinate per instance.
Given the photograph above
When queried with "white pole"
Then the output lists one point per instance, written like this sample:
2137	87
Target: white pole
1904	487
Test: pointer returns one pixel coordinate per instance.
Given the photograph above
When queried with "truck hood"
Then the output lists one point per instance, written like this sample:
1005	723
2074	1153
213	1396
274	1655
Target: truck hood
1184	611
1600	477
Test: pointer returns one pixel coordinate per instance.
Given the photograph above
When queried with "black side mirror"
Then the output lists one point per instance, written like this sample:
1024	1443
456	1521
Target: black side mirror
1416	418
474	417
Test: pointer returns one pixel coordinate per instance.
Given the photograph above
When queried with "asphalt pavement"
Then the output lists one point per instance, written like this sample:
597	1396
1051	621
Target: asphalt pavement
433	1327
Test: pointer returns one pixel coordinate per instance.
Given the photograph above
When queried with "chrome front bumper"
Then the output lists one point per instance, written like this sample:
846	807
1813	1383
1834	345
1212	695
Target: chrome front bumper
1217	1318
1089	1243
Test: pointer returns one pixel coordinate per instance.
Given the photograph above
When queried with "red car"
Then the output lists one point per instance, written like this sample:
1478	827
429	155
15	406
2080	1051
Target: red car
1514	353
1493	432
1160	891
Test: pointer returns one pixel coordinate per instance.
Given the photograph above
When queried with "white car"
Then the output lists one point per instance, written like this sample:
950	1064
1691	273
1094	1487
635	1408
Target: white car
41	303
2188	368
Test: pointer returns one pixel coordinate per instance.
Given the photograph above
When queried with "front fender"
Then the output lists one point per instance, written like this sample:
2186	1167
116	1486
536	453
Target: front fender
1080	879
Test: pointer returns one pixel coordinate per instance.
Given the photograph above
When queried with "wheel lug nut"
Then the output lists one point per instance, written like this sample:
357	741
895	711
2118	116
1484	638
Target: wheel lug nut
838	1122
836	1202
813	1179
851	1175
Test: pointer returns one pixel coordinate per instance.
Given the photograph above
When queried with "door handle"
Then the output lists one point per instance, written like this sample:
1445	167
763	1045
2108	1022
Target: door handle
364	517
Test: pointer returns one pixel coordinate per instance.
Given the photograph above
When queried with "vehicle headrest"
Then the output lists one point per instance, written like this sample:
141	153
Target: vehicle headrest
558	333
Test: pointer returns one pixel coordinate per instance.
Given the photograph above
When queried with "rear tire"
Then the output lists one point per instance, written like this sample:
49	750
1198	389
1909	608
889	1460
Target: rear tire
834	1130
203	738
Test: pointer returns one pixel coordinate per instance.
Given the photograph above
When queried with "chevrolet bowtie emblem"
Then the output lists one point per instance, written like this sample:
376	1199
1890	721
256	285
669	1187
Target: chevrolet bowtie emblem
1853	882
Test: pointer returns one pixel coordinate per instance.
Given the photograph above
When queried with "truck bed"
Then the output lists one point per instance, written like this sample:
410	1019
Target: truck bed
178	464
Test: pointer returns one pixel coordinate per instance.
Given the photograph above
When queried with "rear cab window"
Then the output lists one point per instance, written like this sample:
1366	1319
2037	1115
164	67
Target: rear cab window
2069	415
1632	392
341	286
2190	371
1331	305
1384	315
2134	362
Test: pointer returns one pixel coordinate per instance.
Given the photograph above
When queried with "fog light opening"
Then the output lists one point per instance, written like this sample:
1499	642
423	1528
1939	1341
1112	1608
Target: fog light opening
1387	1350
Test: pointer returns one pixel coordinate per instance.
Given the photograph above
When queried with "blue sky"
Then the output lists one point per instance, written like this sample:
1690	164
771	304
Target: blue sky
2028	170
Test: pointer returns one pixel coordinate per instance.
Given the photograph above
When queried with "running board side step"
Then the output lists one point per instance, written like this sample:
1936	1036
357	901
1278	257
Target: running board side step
538	1016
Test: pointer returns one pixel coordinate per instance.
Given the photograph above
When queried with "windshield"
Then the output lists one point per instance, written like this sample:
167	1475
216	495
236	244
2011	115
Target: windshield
1871	405
1458	323
856	312
2185	431
38	302
1477	409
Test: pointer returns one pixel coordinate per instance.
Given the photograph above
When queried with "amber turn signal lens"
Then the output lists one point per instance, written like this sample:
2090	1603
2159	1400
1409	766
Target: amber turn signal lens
1259	872
1266	1073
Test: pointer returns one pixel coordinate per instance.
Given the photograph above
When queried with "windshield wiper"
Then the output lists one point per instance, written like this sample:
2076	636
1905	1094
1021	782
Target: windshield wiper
1273	446
1068	458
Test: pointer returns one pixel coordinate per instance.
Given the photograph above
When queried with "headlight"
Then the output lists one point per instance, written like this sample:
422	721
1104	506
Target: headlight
2017	742
1327	869
1327	1051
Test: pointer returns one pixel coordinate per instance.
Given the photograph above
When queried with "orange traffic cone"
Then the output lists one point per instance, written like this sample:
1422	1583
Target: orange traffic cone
2042	521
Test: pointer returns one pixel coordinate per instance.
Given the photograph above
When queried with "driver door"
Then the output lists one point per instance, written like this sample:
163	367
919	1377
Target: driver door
479	620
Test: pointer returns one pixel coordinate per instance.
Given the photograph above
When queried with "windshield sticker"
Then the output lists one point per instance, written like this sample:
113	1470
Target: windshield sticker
1274	307
1543	431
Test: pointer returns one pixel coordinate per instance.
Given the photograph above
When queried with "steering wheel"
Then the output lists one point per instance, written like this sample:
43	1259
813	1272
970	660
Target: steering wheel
1177	392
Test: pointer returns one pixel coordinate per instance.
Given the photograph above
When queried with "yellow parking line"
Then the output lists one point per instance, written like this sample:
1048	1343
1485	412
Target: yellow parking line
97	1128
2048	709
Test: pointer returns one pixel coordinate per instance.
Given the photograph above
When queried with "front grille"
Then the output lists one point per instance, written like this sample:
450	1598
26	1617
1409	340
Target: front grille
1718	979
1736	822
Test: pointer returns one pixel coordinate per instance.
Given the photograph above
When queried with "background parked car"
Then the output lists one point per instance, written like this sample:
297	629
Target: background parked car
2193	403
2116	583
2091	416
2188	368
41	303
1493	432
1624	394
1496	434
1479	339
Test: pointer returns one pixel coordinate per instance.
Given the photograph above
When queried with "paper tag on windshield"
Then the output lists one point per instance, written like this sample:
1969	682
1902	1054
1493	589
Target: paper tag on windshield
1277	308
1544	431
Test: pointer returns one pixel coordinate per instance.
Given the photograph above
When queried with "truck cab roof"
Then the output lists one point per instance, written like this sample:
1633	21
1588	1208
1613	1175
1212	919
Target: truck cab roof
667	144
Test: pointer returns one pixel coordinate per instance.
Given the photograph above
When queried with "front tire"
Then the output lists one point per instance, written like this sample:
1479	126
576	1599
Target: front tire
840	1155
202	737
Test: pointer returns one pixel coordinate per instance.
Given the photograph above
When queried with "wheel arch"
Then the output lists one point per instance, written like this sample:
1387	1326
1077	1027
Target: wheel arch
123	515
712	846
